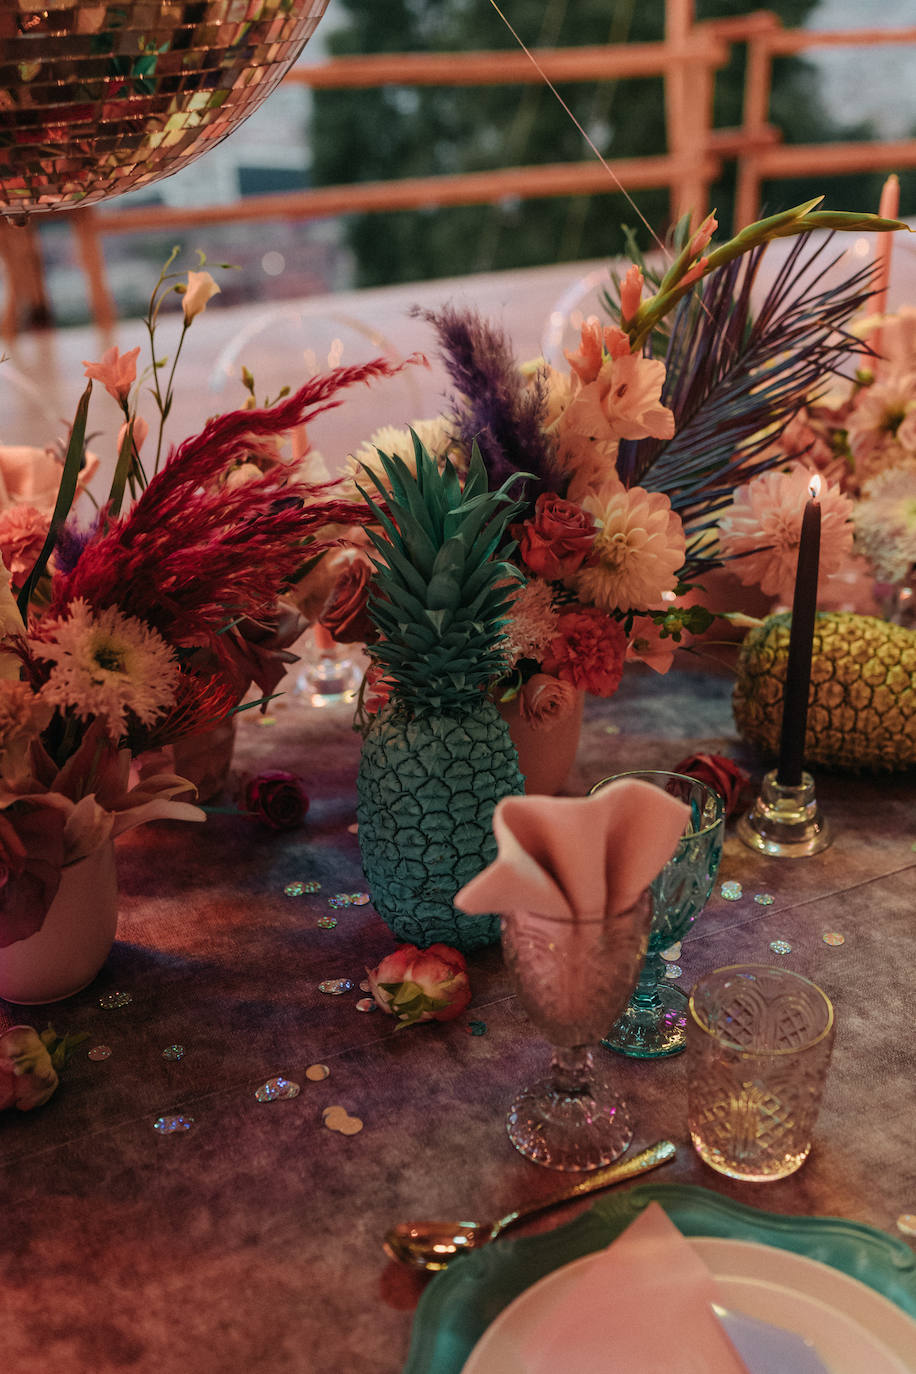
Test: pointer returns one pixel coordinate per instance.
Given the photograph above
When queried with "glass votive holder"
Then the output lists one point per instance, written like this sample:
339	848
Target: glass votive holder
758	1045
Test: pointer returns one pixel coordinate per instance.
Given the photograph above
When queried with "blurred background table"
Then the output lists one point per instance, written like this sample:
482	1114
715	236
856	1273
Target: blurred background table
253	1240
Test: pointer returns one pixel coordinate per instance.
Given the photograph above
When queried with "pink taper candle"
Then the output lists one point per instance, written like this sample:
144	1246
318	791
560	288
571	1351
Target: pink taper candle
888	208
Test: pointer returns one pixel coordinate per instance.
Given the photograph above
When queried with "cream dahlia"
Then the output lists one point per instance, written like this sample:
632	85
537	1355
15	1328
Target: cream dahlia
638	549
107	664
885	520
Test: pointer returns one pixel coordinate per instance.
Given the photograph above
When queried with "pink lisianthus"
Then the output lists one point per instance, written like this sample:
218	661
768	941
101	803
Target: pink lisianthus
546	701
200	288
587	650
762	528
557	541
27	1075
421	985
647	645
116	371
23	530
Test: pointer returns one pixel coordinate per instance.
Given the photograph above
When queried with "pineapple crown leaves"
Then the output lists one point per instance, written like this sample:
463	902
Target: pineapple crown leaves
440	593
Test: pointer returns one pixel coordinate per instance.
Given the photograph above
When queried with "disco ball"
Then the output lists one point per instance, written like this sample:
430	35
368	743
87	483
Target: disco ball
97	99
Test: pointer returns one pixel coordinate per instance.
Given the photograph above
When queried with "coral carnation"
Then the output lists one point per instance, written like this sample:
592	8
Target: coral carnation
587	650
23	530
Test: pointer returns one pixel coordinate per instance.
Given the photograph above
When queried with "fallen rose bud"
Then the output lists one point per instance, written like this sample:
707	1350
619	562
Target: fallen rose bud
421	984
27	1076
277	798
720	773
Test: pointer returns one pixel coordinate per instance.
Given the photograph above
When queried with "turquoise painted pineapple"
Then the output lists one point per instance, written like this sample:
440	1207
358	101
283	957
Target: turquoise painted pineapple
438	757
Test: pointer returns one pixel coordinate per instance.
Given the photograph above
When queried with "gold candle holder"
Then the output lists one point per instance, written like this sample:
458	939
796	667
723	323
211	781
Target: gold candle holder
785	822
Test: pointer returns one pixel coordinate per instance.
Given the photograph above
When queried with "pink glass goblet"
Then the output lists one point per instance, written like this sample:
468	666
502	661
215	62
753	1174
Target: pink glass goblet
573	977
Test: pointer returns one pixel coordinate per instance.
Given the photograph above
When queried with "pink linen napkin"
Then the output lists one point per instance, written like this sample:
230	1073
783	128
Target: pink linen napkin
642	1304
577	857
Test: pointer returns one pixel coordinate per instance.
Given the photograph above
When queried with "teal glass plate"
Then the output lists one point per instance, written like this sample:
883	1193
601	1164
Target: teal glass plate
461	1302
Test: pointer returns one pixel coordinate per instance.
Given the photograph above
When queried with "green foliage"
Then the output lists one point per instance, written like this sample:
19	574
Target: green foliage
363	135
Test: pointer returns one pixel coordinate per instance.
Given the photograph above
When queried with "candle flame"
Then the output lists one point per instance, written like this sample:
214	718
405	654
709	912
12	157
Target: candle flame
814	487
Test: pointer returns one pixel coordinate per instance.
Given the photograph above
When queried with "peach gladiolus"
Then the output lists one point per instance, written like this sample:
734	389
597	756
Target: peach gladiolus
116	371
631	292
200	288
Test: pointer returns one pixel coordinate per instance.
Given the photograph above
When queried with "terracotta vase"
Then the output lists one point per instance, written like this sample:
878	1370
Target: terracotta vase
206	759
547	753
75	939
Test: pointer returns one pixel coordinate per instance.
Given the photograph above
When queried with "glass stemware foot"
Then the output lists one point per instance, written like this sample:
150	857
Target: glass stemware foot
654	1021
572	1119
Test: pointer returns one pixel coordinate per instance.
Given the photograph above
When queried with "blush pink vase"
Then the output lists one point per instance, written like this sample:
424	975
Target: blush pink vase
545	755
75	939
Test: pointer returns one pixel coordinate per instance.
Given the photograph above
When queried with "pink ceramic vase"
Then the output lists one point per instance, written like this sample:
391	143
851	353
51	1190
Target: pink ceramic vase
546	752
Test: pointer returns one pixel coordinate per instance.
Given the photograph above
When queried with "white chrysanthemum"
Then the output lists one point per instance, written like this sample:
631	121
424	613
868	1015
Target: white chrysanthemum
107	664
885	521
435	435
532	623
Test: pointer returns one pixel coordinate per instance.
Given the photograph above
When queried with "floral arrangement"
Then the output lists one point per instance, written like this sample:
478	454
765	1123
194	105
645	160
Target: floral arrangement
138	628
861	438
630	459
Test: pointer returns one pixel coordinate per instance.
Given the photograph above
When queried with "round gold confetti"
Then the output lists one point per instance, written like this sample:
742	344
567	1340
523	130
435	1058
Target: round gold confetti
352	1126
364	986
672	953
367	1004
100	1052
316	1072
833	937
334	1114
906	1222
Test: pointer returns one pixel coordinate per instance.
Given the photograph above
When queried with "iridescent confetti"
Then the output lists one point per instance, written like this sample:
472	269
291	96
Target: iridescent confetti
672	953
300	886
115	999
277	1089
100	1052
906	1222
731	891
167	1125
360	899
476	1028
294	889
780	947
673	971
764	898
334	987
173	1052
326	922
833	937
367	1004
364	986
340	899
266	720
316	1072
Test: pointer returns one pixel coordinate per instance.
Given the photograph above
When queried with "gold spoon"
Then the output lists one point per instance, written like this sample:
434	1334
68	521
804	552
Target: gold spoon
434	1244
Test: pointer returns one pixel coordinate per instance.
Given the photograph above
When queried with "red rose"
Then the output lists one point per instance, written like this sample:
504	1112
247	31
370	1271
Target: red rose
587	650
722	775
421	984
545	701
277	798
344	614
558	540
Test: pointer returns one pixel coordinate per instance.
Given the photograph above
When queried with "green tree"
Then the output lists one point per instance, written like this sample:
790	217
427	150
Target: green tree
368	135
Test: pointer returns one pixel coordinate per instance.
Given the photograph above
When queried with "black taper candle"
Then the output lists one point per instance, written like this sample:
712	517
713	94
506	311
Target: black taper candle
798	668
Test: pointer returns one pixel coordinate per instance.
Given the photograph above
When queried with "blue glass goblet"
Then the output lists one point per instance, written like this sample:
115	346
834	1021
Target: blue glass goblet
654	1021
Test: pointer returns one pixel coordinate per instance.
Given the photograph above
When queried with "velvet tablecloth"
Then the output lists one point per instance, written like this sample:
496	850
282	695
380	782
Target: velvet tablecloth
252	1240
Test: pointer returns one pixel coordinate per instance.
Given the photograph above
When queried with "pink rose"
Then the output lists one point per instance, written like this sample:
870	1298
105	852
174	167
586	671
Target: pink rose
23	530
545	701
344	614
558	540
27	1076
277	798
421	984
722	774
